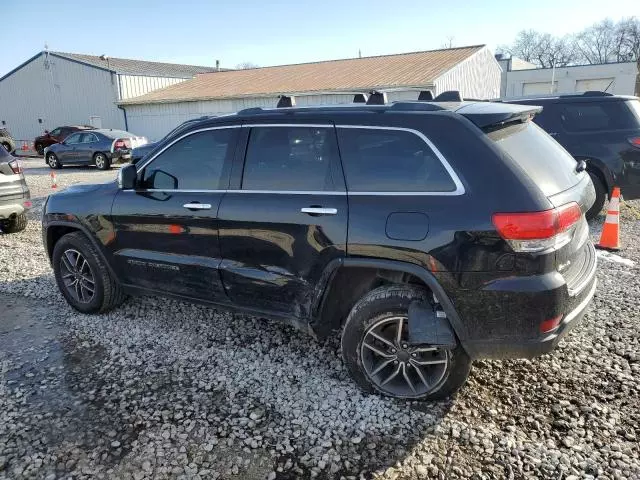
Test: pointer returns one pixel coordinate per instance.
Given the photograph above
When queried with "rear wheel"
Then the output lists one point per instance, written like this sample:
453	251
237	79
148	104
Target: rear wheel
101	161
82	277
601	196
40	149
52	160
15	224
379	358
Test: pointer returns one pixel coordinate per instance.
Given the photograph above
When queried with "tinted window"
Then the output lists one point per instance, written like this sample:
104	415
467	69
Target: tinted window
586	117
88	138
390	161
194	163
55	132
291	158
75	138
540	156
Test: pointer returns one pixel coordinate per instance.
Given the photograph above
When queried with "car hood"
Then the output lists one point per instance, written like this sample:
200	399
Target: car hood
84	188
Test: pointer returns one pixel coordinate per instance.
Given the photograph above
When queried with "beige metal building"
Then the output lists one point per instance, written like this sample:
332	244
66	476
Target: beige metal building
472	70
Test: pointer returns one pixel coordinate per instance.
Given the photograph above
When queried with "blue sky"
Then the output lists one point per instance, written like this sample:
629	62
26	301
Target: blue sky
280	31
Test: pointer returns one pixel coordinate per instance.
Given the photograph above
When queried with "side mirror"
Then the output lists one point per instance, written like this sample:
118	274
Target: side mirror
127	177
46	132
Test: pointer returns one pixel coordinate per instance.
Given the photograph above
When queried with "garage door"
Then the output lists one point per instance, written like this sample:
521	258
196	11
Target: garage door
538	88
600	84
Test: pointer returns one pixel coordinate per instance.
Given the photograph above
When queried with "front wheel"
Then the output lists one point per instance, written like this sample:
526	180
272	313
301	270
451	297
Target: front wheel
40	149
52	160
379	358
82	276
101	161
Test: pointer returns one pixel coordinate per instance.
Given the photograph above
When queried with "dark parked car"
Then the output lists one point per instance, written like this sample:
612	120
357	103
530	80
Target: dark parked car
6	140
99	147
601	129
14	194
140	152
56	135
430	234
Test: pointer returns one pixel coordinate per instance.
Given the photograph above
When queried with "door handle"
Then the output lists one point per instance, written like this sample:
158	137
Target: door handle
197	206
315	211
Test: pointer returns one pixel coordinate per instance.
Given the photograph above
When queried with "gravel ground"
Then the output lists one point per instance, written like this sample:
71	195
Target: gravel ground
163	389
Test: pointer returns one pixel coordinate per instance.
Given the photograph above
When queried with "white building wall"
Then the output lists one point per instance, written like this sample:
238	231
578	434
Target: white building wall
574	79
476	77
155	120
66	93
136	85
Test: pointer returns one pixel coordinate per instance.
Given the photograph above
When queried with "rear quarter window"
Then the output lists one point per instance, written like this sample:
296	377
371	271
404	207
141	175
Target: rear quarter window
380	160
549	165
590	117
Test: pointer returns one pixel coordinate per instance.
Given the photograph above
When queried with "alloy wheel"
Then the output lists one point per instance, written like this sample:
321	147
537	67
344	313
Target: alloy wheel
100	161
397	368
52	160
77	276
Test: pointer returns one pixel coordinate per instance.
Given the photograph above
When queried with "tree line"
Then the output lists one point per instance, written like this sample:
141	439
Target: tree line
603	42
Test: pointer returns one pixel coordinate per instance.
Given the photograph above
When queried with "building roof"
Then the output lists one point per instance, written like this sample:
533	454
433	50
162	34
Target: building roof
128	66
417	69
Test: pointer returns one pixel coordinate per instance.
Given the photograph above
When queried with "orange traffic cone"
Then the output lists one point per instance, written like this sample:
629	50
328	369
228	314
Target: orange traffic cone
610	237
54	183
25	147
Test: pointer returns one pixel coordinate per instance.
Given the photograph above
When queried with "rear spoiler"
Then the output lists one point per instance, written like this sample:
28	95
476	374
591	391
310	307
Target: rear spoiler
489	114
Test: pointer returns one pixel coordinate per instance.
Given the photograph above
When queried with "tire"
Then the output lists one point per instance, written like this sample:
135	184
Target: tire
376	308
52	161
601	197
101	161
39	149
15	224
107	293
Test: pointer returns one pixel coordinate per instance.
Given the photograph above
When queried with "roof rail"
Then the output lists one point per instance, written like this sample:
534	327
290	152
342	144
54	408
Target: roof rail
449	96
285	101
250	110
425	96
415	107
377	98
360	98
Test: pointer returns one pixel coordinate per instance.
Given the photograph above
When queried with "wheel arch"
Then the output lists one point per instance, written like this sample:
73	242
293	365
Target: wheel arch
58	229
346	280
601	170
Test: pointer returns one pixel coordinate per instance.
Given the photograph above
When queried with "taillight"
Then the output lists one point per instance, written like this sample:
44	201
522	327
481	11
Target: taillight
635	141
119	144
15	166
538	231
550	324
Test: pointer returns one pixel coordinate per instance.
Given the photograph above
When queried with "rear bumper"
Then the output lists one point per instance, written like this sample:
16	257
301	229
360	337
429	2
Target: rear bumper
514	308
121	156
9	209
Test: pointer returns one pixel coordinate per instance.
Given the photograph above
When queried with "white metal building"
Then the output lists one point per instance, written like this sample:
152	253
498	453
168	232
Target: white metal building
616	78
472	70
55	88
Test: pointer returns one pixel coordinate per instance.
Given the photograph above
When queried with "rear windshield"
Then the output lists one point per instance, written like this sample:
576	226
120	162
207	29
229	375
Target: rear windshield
593	116
548	164
118	134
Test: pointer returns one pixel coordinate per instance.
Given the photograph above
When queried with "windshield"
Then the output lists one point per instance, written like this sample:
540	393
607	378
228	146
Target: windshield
549	165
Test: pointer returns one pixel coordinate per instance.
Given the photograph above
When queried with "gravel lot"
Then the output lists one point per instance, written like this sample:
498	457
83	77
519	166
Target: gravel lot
165	389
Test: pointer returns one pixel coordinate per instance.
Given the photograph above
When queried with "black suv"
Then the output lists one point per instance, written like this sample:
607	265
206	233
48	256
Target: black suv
602	129
432	234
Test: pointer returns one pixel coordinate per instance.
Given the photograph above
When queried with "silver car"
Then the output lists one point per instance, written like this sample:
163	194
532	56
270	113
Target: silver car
101	147
15	198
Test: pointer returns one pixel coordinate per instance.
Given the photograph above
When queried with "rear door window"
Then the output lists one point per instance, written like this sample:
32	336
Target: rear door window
589	117
385	160
292	159
549	165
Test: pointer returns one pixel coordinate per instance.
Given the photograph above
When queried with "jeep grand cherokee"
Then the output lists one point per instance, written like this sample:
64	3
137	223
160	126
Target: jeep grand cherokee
429	234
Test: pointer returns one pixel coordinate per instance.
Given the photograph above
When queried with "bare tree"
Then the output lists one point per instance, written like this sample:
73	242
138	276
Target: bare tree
246	66
597	44
628	39
448	43
542	49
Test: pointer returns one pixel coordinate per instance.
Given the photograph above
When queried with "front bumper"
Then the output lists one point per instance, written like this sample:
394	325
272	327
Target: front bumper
121	156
